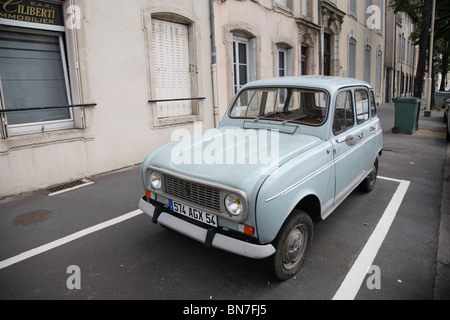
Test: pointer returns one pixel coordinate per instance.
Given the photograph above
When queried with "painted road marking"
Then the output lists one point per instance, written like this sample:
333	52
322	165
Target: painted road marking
65	240
349	287
85	184
354	279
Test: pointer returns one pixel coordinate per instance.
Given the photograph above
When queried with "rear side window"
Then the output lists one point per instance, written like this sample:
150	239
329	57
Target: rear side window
362	105
373	105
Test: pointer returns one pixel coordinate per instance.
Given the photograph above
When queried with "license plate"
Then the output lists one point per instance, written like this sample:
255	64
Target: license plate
196	214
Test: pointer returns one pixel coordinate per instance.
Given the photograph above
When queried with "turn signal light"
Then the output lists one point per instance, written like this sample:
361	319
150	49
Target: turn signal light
249	230
246	229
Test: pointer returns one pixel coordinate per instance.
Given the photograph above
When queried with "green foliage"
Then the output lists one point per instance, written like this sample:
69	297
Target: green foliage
417	10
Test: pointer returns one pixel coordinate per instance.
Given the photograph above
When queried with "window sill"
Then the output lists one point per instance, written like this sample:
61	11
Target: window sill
165	122
280	8
27	141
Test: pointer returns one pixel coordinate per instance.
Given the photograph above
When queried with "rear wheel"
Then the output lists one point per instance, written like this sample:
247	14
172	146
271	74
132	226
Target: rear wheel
292	245
369	183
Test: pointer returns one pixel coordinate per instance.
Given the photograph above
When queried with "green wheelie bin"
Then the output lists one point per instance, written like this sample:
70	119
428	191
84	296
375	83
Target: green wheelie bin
406	111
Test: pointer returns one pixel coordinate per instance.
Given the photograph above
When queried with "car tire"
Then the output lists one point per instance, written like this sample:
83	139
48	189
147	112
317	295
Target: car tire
369	183
292	245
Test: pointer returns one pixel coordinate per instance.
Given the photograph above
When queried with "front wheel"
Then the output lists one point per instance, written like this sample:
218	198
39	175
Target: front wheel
292	245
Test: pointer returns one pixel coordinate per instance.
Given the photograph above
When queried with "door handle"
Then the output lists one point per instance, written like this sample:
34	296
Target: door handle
373	128
351	140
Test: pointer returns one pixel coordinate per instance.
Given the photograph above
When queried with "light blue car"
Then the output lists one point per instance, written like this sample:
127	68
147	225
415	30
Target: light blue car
286	154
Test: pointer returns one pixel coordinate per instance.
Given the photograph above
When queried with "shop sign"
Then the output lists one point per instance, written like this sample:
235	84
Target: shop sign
49	13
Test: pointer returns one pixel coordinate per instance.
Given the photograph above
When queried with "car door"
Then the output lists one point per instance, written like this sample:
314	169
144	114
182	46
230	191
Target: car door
367	127
347	145
375	138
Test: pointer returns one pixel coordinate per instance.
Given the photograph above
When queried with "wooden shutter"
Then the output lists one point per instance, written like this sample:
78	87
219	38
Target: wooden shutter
171	72
367	62
353	7
379	71
352	58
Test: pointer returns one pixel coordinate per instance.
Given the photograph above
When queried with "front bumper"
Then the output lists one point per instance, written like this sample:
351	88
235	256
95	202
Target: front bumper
207	236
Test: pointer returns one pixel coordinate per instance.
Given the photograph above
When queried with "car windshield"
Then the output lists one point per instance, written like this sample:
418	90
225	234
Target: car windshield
297	105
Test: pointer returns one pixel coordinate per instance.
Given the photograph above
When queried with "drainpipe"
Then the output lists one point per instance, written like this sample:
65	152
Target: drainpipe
214	65
321	39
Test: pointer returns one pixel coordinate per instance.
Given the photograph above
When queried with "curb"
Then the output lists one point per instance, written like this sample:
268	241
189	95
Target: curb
442	281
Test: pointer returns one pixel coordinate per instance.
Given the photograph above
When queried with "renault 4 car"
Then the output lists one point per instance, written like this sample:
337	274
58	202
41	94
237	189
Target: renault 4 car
287	153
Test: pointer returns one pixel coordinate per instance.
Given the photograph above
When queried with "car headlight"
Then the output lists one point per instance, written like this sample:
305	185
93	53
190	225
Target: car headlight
234	204
155	180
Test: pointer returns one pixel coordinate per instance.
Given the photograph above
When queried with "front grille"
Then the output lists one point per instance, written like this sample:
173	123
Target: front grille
202	195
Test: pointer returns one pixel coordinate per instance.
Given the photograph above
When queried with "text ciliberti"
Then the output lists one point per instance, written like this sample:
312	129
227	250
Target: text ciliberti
28	11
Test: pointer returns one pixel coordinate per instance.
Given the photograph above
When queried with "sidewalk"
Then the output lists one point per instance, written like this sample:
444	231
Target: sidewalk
432	127
442	285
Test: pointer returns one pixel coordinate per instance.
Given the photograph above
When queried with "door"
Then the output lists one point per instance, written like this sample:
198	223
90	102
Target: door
374	142
327	55
347	145
367	124
304	60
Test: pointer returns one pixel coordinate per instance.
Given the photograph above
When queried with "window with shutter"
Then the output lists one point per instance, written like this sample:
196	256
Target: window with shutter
171	73
379	70
367	74
284	60
352	58
353	7
241	61
33	74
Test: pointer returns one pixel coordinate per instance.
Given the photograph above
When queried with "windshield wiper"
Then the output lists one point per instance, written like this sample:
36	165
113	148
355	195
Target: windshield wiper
295	119
268	116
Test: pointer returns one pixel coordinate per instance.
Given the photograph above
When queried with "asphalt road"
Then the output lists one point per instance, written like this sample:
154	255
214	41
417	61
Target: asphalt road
135	259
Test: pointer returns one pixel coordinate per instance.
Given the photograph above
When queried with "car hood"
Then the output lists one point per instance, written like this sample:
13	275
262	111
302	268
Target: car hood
231	156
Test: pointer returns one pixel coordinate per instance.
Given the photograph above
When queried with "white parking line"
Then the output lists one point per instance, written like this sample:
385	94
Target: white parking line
349	287
62	241
352	282
85	184
390	179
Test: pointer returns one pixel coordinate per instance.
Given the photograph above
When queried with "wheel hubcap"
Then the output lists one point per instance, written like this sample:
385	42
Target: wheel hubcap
294	247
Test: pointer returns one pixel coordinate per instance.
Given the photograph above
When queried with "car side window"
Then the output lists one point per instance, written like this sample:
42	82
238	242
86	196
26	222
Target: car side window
373	105
362	105
343	114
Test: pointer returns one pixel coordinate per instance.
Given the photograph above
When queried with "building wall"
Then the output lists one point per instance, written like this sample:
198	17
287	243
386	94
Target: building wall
113	62
302	26
368	30
402	56
109	56
266	25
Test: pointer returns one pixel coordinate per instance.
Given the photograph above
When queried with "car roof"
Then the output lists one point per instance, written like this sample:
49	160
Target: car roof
317	82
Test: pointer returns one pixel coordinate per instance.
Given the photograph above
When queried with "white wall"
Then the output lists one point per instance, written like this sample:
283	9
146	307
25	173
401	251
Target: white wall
113	65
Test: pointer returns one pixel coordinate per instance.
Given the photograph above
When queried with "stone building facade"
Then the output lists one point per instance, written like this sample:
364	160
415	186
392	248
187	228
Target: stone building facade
90	86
